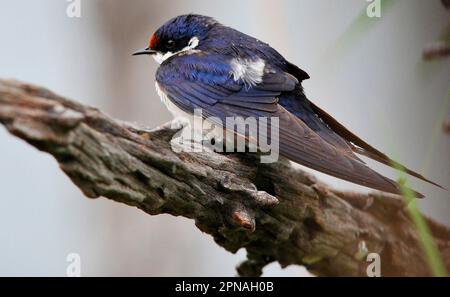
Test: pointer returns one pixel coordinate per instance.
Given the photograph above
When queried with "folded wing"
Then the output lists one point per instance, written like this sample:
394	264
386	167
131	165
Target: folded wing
204	81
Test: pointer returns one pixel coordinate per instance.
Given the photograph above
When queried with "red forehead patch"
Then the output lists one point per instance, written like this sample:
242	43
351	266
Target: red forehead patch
154	40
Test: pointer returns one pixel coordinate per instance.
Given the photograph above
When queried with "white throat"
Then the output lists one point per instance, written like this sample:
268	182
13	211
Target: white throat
160	57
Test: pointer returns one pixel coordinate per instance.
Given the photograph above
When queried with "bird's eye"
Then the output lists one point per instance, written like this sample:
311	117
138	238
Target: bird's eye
170	44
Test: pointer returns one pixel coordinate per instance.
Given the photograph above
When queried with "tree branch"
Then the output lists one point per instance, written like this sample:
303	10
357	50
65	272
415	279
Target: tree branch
274	211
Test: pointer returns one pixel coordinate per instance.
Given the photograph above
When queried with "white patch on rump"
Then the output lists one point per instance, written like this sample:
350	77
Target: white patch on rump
160	57
249	71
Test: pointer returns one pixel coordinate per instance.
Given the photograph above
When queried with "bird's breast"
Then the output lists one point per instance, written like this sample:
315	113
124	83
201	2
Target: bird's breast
206	129
173	109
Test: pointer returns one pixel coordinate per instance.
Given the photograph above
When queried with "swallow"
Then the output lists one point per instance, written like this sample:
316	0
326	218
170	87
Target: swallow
209	66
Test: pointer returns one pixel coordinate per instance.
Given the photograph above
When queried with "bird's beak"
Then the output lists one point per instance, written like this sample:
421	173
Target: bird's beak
144	51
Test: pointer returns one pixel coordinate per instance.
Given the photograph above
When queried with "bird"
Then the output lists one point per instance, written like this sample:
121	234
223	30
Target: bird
210	66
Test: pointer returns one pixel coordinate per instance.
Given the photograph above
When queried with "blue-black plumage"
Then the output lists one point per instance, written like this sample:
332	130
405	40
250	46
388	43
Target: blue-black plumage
226	73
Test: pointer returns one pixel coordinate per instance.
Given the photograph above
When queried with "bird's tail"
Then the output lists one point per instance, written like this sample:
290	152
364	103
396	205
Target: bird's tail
363	148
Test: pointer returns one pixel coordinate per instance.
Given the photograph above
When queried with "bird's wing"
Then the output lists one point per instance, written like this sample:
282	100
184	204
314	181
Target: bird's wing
205	81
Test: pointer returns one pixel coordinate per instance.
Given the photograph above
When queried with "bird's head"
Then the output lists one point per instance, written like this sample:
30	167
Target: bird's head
182	33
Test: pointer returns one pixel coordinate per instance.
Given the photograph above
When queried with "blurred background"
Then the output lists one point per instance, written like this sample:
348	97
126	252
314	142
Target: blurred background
368	73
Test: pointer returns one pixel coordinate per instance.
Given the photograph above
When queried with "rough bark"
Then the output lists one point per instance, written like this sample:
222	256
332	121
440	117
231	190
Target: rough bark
274	211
